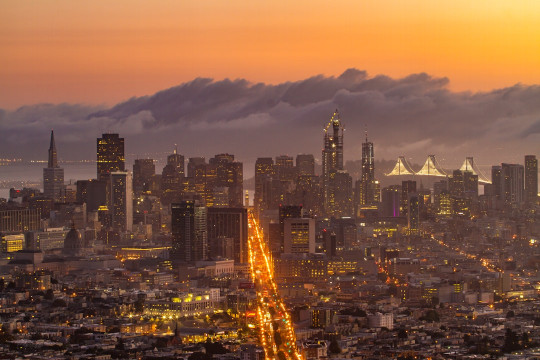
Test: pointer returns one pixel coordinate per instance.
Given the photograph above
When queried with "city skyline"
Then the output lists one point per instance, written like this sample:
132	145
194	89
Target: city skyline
208	189
412	116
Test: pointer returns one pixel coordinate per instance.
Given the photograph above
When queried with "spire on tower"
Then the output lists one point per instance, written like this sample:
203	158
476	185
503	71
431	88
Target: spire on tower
53	159
175	149
365	125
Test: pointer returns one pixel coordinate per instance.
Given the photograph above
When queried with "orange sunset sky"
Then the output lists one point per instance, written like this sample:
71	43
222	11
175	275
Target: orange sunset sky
102	52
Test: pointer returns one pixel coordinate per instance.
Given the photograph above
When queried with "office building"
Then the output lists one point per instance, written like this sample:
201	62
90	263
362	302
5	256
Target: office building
189	232
53	175
284	168
264	171
110	155
143	171
305	164
10	243
332	158
225	224
172	176
299	235
121	201
407	187
94	193
286	212
413	213
19	220
339	194
229	175
367	196
391	199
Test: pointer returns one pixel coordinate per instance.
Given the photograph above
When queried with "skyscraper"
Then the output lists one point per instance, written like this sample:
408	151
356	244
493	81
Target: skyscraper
531	179
407	187
332	154
143	170
172	177
121	202
305	164
189	232
367	185
110	155
286	212
513	184
284	168
339	194
391	197
413	213
264	170
228	223
53	175
229	176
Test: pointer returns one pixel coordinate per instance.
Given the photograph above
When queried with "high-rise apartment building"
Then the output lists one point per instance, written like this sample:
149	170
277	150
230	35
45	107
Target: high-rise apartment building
53	175
513	185
189	232
110	155
531	179
121	201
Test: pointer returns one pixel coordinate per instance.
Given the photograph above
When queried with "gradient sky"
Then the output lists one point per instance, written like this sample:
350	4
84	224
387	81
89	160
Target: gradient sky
102	52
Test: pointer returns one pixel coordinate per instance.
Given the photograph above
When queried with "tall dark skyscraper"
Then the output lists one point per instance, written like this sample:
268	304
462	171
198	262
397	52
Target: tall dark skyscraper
391	198
531	179
121	201
367	185
413	213
53	175
407	187
287	212
332	154
228	226
172	177
189	232
143	171
110	155
264	170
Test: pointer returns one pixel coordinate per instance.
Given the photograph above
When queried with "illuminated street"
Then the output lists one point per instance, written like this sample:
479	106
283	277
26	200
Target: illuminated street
276	331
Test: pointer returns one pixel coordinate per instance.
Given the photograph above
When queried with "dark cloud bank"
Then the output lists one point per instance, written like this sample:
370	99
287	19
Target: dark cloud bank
413	116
